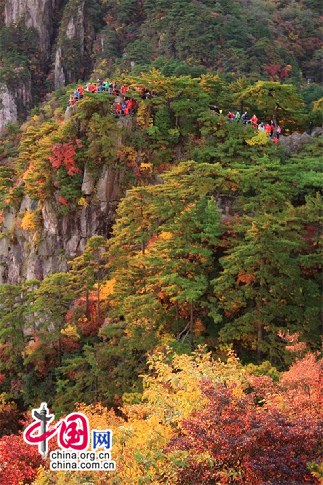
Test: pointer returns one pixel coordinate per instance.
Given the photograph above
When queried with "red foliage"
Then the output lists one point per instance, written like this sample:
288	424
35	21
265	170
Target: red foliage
292	339
273	69
302	386
5	352
19	462
246	278
69	346
136	168
86	318
276	70
62	200
43	352
284	73
9	418
311	234
63	154
44	358
248	443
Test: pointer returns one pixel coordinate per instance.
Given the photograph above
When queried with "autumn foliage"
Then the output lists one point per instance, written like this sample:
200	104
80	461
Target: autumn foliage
203	421
63	155
233	440
19	462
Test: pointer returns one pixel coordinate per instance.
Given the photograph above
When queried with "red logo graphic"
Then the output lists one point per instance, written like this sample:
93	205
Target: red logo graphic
73	432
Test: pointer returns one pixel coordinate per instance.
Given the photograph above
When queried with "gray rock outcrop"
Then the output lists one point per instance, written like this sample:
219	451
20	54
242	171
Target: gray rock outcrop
8	107
12	100
26	254
36	13
296	141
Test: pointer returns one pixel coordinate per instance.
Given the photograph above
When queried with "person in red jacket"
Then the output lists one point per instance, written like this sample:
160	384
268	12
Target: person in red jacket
254	120
129	105
80	91
268	129
118	108
272	127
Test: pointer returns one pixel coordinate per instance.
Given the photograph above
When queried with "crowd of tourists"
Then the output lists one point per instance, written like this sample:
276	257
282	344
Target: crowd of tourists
269	128
124	104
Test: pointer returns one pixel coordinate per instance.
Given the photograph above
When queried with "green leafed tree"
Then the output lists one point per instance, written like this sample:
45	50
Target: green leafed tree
87	271
279	102
264	286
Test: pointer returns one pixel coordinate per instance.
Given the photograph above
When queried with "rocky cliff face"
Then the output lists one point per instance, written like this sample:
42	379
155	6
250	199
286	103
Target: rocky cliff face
26	255
13	101
8	107
66	44
35	252
72	30
74	44
36	13
39	14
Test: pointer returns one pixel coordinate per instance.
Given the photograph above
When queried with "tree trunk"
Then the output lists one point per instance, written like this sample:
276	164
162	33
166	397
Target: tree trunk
142	229
259	341
59	351
87	313
96	384
275	120
192	326
98	297
176	310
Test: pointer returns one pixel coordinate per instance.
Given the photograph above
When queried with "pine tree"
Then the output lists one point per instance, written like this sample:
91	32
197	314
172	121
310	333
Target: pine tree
278	101
262	288
87	271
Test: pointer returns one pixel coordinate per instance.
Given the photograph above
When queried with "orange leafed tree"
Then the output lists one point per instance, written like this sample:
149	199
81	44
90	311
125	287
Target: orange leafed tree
64	155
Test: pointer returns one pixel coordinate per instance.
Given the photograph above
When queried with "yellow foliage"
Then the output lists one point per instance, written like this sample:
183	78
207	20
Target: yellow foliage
260	139
165	236
70	331
143	114
107	289
59	114
30	348
318	105
146	167
172	391
82	202
293	36
29	221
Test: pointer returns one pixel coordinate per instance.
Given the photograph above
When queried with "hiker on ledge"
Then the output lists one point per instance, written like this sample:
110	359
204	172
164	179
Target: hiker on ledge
245	117
80	91
310	128
254	120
